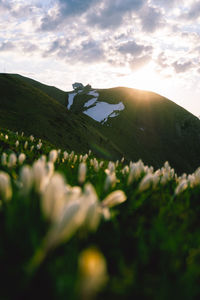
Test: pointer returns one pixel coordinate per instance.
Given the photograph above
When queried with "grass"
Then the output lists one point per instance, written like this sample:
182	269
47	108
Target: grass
146	247
151	127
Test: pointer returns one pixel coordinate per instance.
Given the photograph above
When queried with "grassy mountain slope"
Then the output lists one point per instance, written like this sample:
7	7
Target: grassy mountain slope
150	127
153	128
51	91
25	108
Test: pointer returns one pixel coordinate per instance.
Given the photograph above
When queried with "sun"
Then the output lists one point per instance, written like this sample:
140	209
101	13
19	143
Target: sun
145	79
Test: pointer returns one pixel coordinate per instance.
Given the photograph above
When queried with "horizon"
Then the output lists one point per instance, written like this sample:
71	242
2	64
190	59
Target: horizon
147	45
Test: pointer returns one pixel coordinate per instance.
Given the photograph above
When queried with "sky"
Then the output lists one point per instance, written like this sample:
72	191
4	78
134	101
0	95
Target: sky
151	45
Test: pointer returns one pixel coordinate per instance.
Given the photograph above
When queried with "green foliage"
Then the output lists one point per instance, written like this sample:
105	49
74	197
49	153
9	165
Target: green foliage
151	127
150	242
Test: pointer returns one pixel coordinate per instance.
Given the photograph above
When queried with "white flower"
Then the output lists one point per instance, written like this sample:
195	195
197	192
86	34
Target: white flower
39	146
40	175
65	155
53	199
75	159
110	181
146	182
31	138
111	166
93	272
6	137
82	170
32	147
85	157
96	165
101	164
12	160
4	159
53	155
114	198
136	170
5	187
26	178
17	143
21	158
181	187
26	145
90	204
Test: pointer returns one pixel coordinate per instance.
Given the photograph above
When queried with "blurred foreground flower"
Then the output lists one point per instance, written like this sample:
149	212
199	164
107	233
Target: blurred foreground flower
93	273
5	187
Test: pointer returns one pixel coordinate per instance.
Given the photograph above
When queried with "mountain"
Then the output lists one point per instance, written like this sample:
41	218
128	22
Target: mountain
112	122
51	91
26	108
143	125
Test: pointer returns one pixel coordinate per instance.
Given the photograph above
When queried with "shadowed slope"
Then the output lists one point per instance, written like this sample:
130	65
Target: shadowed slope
148	126
51	91
25	108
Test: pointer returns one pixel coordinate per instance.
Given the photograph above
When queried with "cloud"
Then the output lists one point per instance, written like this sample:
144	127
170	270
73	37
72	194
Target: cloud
182	67
194	12
29	47
113	12
4	5
133	48
162	60
7	46
151	19
140	62
100	13
88	51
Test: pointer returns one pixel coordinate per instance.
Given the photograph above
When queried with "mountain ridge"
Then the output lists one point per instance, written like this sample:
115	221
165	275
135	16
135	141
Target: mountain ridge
147	126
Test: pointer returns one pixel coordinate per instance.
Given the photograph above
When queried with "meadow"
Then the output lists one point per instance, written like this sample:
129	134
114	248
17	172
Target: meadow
73	226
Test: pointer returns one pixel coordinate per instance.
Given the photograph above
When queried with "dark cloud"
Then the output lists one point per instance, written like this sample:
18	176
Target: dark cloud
4	5
133	48
7	46
67	9
75	7
29	47
88	51
182	67
103	14
165	4
194	12
151	19
113	12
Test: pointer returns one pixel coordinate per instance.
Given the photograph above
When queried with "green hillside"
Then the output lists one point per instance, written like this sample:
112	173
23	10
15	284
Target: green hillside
149	127
51	91
25	108
76	227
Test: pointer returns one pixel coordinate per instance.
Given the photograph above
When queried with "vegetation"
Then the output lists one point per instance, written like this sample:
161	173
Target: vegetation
73	226
151	127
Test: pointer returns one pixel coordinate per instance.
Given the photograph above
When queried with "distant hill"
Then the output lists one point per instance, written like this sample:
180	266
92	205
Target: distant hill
51	91
26	108
112	122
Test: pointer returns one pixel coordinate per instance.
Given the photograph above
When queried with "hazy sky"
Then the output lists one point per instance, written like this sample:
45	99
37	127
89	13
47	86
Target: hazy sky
153	44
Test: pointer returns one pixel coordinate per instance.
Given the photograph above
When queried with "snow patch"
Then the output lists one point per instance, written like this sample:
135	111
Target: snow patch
93	100
90	102
71	99
102	110
94	93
